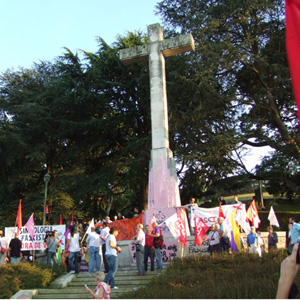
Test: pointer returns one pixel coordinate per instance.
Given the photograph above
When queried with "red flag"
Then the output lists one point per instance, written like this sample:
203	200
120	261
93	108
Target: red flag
47	210
60	219
19	216
252	214
181	223
292	11
221	214
200	230
72	218
177	224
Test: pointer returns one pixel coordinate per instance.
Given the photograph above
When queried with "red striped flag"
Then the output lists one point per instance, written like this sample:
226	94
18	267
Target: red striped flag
200	230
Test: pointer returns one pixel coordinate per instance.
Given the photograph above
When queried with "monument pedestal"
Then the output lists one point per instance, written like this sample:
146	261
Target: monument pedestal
163	189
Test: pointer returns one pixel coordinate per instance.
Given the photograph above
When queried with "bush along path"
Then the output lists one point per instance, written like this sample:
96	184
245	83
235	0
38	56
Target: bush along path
71	286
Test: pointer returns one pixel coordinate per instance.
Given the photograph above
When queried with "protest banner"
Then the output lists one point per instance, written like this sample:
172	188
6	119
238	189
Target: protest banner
37	243
126	227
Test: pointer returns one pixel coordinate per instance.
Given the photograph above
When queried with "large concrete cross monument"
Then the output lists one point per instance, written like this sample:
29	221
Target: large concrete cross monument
163	190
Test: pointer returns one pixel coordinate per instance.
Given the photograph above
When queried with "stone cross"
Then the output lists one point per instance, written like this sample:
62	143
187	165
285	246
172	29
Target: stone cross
163	193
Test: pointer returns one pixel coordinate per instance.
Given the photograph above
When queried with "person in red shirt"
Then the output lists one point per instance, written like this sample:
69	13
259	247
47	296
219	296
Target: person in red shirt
149	249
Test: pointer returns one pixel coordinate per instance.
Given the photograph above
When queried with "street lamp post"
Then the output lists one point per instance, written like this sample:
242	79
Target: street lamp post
46	179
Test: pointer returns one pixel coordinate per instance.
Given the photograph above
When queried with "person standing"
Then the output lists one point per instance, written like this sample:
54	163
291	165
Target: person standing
15	247
73	241
111	253
214	239
254	242
139	241
94	242
149	249
272	239
236	200
103	236
52	242
157	243
224	235
191	211
120	216
295	231
288	235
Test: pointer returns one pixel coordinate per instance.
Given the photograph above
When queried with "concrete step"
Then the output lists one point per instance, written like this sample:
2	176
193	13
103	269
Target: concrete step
125	280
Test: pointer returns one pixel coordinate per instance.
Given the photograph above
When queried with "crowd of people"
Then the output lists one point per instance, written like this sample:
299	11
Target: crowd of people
101	245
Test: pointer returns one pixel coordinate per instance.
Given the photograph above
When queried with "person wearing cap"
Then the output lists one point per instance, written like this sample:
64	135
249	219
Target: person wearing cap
102	290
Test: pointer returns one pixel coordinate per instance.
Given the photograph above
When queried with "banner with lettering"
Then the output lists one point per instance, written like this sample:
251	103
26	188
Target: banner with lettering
210	215
37	243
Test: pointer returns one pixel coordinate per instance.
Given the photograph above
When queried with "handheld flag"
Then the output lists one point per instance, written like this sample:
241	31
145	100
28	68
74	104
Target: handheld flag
221	214
178	226
272	218
30	227
252	214
92	224
200	230
19	216
60	219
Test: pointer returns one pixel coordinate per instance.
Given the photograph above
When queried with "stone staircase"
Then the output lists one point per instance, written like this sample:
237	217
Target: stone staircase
125	280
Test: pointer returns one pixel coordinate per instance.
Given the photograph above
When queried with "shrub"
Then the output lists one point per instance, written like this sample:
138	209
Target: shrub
26	276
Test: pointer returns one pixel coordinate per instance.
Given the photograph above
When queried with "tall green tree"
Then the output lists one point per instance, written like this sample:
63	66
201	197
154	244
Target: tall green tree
240	58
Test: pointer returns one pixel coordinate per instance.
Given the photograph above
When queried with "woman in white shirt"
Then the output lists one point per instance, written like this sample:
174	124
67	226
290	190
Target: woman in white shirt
73	241
112	250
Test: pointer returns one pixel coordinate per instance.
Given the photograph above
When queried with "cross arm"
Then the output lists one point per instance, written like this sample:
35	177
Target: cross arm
130	56
177	45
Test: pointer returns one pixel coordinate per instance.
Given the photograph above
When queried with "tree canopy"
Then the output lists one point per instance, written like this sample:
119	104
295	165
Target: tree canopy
85	118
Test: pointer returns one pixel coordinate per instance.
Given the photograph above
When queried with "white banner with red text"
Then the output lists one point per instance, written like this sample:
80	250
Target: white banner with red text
37	243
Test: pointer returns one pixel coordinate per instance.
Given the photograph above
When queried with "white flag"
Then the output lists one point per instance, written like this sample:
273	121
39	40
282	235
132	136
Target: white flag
272	218
171	223
92	224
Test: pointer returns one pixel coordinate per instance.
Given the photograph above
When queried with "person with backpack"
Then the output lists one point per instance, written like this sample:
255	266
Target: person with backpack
158	243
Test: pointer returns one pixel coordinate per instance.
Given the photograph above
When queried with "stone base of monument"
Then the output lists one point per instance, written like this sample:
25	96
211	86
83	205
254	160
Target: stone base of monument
172	248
